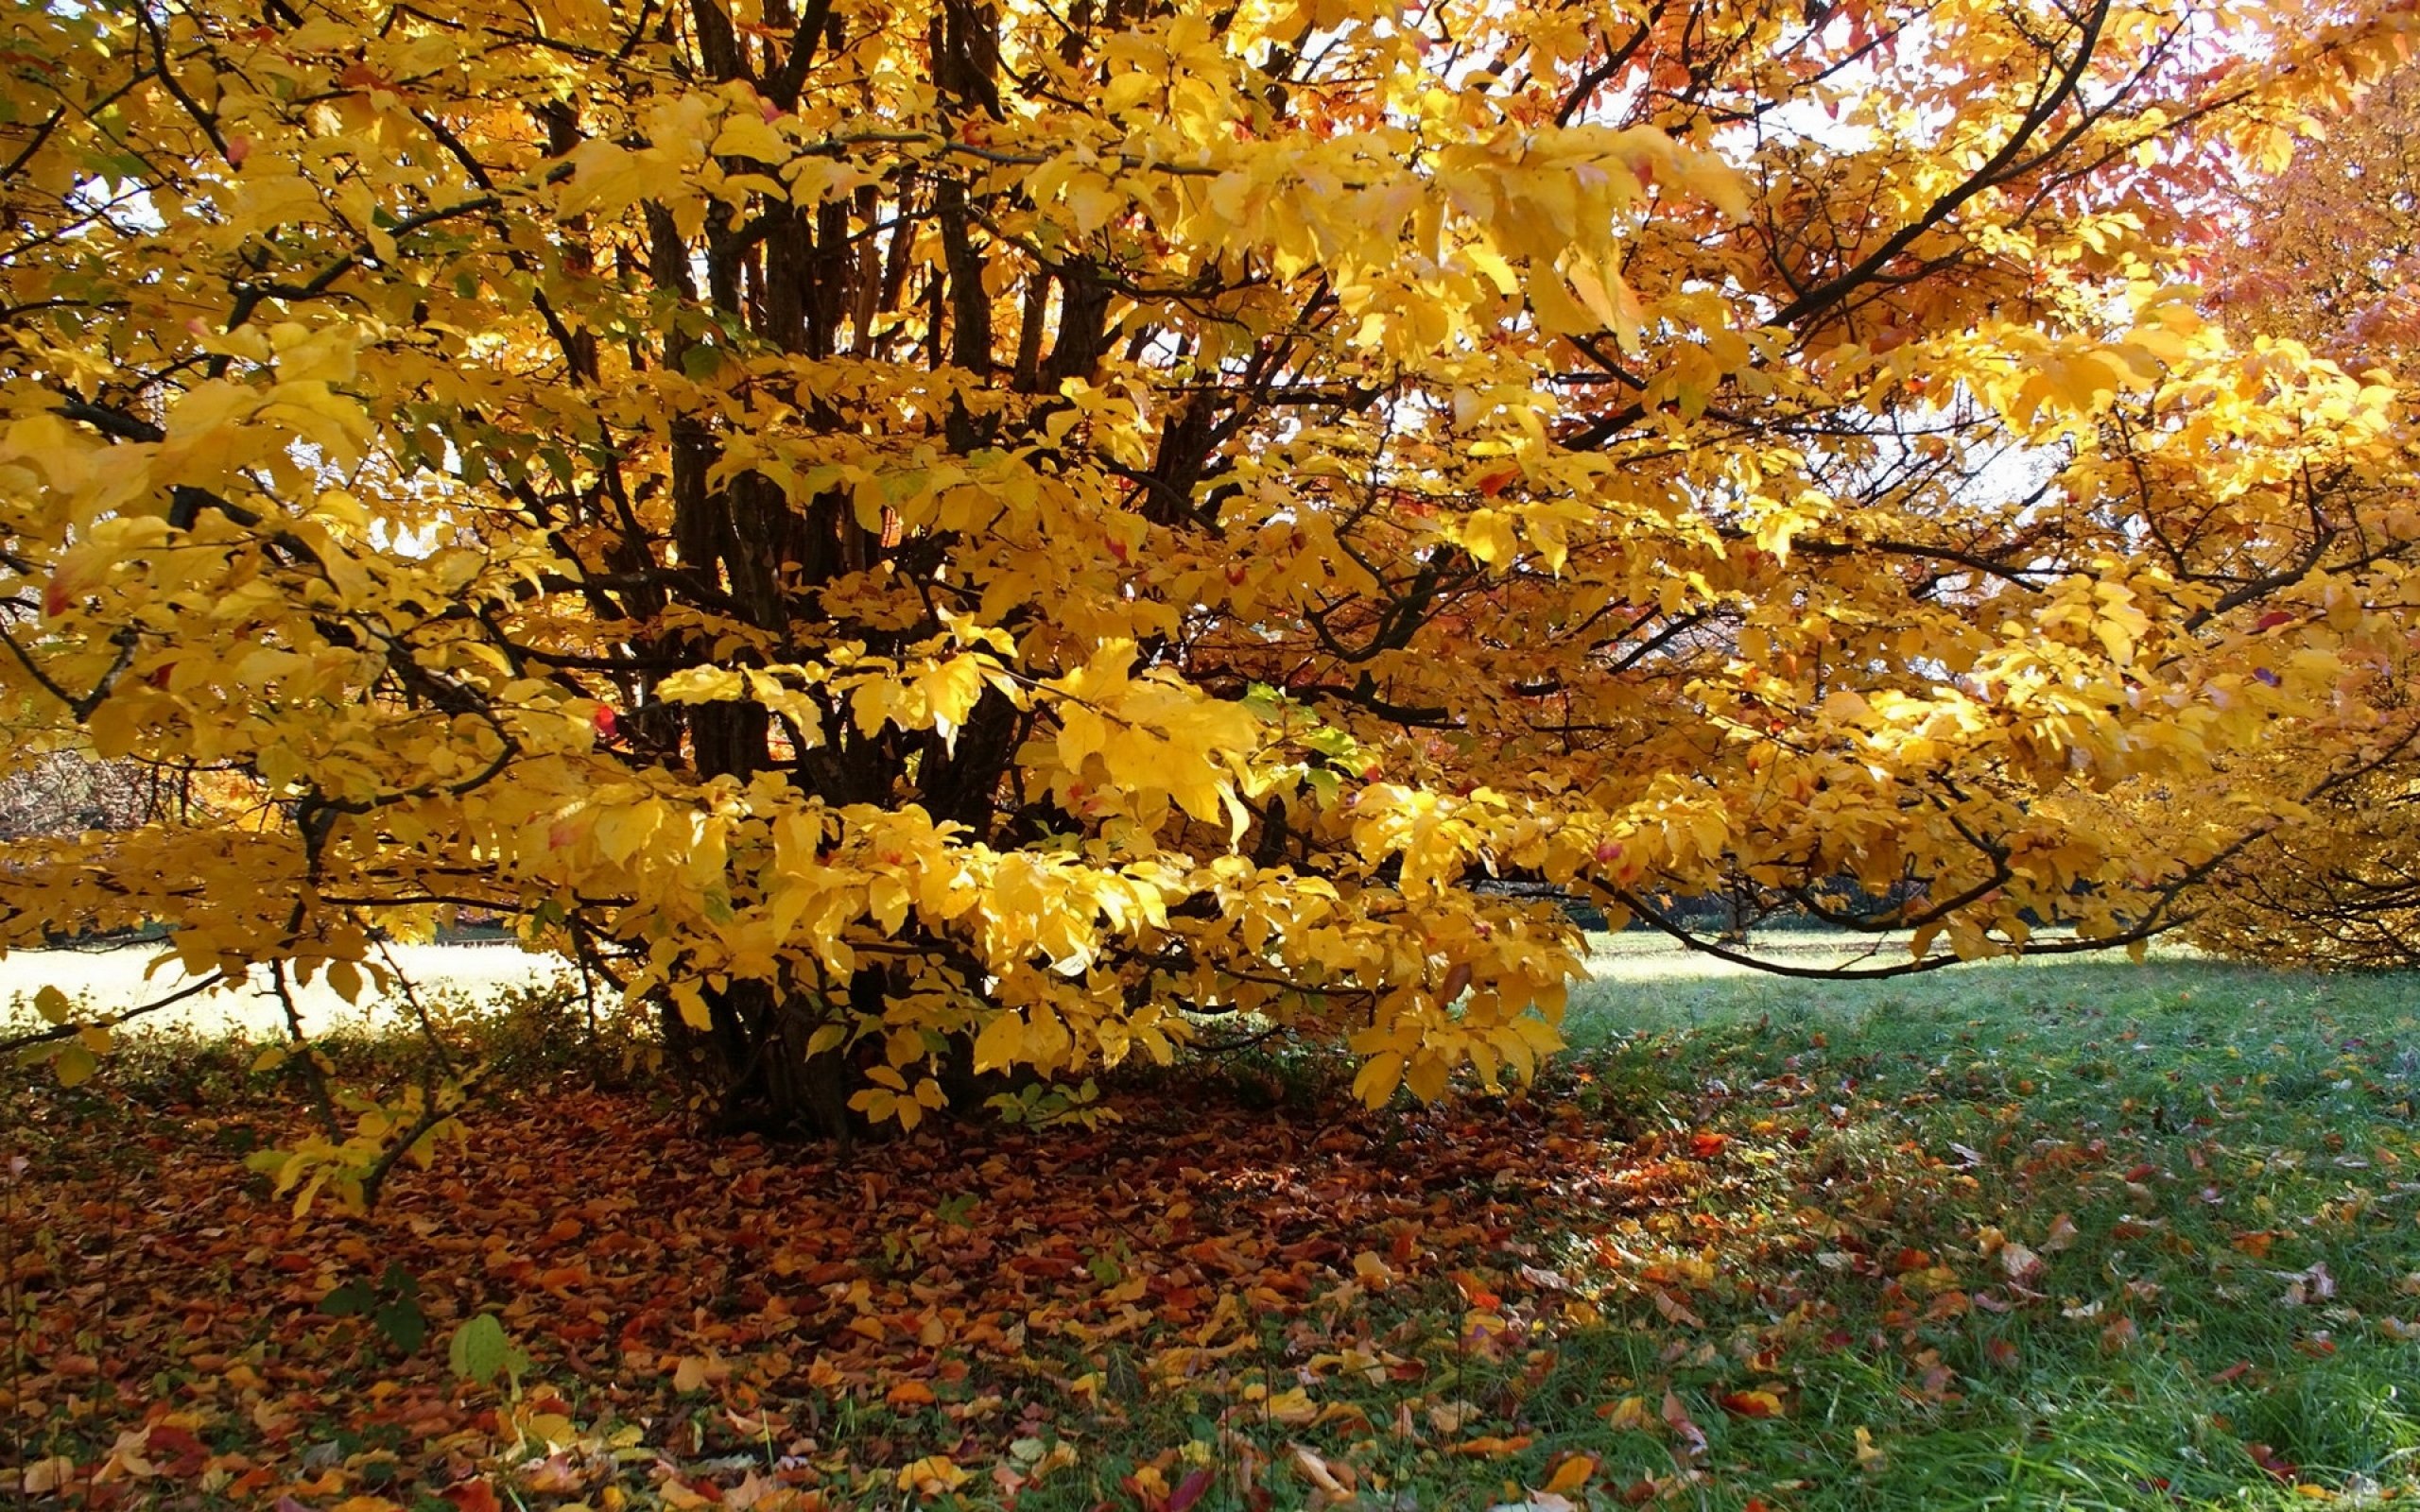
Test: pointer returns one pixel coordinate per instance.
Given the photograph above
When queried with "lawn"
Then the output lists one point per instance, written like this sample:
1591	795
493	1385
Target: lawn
2069	1234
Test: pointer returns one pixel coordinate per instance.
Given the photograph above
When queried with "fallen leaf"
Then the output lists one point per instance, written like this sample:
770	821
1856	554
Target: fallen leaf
1676	1418
2268	1459
1570	1474
932	1475
1325	1479
2020	1264
1868	1458
1451	1417
1490	1445
1189	1490
1293	1407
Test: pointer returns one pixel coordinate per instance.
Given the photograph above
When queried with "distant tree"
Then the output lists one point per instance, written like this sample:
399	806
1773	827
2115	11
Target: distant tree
66	793
2325	256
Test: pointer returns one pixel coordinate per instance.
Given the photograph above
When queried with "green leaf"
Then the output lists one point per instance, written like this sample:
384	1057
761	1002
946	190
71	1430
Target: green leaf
352	1299
479	1351
52	1004
404	1325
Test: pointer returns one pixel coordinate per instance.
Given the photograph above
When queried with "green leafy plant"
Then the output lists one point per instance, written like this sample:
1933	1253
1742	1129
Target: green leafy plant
1039	1106
392	1303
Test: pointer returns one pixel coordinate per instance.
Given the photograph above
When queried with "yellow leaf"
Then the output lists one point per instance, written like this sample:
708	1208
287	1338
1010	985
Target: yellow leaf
74	1065
692	1004
1558	313
933	1475
1427	1075
751	136
1378	1078
1293	1407
1870	1459
1002	1041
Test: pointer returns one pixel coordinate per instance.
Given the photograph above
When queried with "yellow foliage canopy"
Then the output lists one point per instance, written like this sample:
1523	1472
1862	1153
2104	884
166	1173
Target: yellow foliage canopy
938	534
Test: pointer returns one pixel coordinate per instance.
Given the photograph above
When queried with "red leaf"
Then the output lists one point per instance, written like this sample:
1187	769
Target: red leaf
2266	1459
1189	1490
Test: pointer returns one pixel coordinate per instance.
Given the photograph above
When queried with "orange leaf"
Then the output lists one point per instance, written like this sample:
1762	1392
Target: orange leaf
472	1496
1570	1476
1488	1446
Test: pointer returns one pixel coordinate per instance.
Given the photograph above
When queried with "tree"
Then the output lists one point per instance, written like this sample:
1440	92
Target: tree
2321	256
935	538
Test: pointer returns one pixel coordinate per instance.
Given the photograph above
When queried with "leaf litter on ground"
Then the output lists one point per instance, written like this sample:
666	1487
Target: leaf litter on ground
1740	1265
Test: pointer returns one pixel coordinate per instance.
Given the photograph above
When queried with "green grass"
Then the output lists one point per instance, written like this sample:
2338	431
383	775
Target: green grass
2266	1121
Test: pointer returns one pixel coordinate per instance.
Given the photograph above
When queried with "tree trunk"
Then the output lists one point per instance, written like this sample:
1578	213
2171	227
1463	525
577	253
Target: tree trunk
753	1062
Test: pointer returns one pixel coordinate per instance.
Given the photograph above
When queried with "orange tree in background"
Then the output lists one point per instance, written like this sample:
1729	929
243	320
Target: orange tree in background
2324	254
932	538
